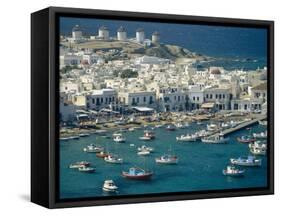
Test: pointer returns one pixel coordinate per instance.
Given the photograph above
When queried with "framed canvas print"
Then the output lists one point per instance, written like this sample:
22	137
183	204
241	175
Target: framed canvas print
138	107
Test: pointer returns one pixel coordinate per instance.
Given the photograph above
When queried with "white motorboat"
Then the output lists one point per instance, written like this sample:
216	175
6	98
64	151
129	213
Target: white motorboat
258	144
246	161
86	169
212	127
258	151
145	148
187	138
119	138
167	159
109	186
218	139
79	164
264	123
113	159
261	135
233	171
148	135
144	152
93	149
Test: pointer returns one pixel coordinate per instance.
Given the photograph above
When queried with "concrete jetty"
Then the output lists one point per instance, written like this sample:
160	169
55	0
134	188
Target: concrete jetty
240	126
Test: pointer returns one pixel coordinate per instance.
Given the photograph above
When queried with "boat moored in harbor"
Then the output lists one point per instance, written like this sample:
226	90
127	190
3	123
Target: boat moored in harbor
109	186
113	159
93	149
187	138
167	159
79	164
102	154
119	138
233	171
246	161
217	139
86	169
258	151
261	135
137	173
170	128
246	139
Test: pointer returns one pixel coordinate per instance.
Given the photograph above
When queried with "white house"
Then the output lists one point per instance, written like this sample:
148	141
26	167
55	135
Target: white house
103	98
195	96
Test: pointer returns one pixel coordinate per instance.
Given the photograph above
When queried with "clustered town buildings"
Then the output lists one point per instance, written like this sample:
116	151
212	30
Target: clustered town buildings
93	82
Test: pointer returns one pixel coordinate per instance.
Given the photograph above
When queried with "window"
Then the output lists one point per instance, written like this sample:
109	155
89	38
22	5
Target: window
194	98
150	99
113	99
106	99
101	100
211	96
219	96
93	100
179	98
197	98
223	96
207	96
144	99
138	99
98	102
216	96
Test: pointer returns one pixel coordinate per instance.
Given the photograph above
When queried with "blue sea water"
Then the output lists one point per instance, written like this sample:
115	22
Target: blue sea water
237	47
199	168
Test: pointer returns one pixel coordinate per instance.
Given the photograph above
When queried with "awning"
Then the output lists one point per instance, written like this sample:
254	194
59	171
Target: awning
208	105
143	109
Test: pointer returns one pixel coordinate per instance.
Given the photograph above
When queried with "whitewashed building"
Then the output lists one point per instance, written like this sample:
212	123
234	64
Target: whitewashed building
103	98
140	98
220	97
195	96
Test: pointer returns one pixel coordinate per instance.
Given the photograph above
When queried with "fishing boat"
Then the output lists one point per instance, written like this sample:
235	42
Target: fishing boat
109	186
145	148
167	159
233	171
218	139
86	169
258	144
258	151
137	173
93	149
170	128
246	161
187	138
102	154
79	164
119	138
261	135
202	133
144	153
113	159
212	127
148	135
264	123
246	139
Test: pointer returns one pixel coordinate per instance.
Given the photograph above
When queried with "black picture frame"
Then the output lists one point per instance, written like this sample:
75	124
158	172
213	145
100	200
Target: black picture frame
44	106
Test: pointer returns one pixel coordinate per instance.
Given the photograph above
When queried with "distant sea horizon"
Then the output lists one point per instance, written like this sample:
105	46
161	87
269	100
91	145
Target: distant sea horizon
235	47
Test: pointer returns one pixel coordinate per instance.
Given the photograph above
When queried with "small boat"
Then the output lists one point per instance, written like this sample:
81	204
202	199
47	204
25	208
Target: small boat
144	153
261	135
187	138
120	138
199	123
233	171
225	125
131	129
246	161
145	148
258	144
264	123
212	127
79	164
86	169
246	139
258	151
218	139
93	149
84	134
137	174
180	125
148	135
109	186
102	154
170	128
167	159
113	159
202	133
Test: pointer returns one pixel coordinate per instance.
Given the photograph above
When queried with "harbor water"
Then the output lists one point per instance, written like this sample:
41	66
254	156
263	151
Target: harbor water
199	168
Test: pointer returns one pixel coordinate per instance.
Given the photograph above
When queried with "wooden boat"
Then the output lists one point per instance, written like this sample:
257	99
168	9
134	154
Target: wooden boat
233	171
137	173
167	159
79	164
248	161
246	139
